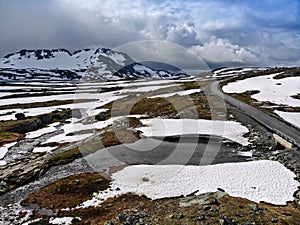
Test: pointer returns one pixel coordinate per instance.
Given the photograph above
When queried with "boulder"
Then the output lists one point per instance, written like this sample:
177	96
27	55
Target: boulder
46	119
76	113
100	117
27	126
20	116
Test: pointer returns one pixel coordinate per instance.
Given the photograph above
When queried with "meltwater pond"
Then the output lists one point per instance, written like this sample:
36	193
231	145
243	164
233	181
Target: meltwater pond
177	150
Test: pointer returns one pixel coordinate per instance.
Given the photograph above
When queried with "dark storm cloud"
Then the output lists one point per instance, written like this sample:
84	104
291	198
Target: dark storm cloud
241	32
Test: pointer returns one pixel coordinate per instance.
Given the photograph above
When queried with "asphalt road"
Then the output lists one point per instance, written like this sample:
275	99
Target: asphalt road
282	129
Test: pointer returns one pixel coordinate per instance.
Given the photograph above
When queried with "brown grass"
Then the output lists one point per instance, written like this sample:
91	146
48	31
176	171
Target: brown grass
110	138
67	192
172	107
42	104
8	137
238	210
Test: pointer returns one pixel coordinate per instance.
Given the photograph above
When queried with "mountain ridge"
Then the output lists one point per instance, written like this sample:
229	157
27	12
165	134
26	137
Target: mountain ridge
87	64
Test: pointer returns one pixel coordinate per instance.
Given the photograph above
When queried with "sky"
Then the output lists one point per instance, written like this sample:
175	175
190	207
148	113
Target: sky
221	32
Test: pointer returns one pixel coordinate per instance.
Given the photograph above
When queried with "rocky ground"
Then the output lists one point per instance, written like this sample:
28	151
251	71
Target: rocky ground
46	184
209	208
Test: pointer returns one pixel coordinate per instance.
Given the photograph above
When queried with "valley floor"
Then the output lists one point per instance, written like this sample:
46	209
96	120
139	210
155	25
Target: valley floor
143	152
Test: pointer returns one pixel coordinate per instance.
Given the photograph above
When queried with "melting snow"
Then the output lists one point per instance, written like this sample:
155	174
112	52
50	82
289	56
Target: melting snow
181	93
263	180
291	117
245	154
76	126
170	127
45	130
50	98
143	69
4	149
61	221
63	138
43	149
89	106
147	88
277	91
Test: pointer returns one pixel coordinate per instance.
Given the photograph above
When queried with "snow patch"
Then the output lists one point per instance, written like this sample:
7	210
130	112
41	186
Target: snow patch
63	138
291	117
4	149
245	154
77	126
181	93
148	88
61	221
3	163
40	132
43	149
263	180
269	89
170	127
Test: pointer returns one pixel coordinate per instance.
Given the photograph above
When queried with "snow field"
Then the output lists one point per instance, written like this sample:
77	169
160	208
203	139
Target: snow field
277	91
264	180
291	117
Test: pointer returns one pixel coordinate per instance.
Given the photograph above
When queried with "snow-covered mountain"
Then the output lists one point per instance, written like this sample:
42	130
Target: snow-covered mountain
87	64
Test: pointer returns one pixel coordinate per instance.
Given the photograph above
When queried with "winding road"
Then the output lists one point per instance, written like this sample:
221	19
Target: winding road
284	130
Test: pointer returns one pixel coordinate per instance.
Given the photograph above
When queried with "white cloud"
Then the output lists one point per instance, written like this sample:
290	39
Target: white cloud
185	34
222	50
166	52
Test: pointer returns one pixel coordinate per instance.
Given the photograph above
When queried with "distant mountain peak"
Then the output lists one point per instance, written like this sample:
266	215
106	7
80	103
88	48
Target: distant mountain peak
98	63
40	53
82	50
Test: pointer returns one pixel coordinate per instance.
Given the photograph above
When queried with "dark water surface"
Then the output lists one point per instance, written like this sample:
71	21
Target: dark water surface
183	150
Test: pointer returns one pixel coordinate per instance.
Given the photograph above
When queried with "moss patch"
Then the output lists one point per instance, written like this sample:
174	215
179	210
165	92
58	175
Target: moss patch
109	138
67	192
195	106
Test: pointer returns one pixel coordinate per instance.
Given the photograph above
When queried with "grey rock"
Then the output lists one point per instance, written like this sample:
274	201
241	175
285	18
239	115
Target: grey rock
26	127
254	207
100	117
203	199
76	113
46	119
